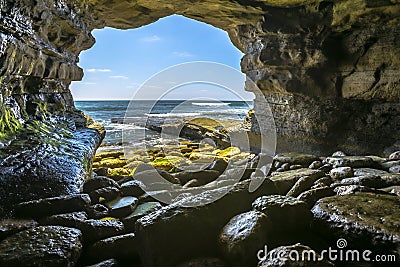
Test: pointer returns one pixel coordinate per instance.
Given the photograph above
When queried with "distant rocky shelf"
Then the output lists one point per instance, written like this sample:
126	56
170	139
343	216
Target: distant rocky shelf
195	129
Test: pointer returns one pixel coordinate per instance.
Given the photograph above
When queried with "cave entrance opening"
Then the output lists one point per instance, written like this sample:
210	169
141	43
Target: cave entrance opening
121	60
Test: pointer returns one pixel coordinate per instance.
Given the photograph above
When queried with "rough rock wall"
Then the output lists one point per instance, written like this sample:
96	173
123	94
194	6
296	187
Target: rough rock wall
329	69
330	72
45	143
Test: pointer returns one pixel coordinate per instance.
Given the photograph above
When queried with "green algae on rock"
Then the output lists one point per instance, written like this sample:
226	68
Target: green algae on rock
363	219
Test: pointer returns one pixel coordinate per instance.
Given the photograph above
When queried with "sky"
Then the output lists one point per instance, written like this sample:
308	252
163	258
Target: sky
122	60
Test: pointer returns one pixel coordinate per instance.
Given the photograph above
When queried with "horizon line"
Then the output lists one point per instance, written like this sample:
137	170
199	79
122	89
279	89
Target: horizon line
160	100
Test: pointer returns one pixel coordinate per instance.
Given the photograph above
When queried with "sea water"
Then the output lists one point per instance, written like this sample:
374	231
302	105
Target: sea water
112	115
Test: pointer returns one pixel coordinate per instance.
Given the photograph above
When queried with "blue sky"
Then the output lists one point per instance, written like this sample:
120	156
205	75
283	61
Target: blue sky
121	60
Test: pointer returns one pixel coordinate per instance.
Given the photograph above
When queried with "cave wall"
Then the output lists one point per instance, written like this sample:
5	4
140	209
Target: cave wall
328	69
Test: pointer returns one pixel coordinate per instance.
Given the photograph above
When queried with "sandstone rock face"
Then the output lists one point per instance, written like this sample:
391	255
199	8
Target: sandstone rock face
329	71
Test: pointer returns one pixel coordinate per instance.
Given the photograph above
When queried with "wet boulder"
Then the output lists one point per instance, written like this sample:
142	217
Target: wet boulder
106	194
243	236
367	180
94	230
341	173
287	213
284	181
350	161
55	205
294	158
190	227
68	219
132	188
313	195
120	247
140	211
98	182
42	246
365	220
122	207
11	226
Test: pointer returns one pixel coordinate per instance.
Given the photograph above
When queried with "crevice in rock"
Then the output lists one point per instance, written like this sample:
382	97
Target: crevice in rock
377	76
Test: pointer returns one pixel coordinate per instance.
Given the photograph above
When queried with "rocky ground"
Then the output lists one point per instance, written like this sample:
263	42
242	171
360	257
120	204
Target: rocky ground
306	203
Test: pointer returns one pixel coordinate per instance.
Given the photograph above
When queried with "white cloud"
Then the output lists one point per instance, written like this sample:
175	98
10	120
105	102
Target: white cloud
182	54
119	77
98	70
151	39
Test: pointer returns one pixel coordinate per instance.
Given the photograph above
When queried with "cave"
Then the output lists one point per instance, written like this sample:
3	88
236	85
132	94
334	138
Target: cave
329	71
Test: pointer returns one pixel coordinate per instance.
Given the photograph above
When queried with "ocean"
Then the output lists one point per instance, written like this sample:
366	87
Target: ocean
111	114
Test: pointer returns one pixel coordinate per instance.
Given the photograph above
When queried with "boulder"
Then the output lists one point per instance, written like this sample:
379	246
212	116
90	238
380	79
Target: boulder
140	211
68	219
392	190
294	158
339	154
368	171
149	175
11	226
189	233
365	220
242	236
322	182
132	188
97	211
94	230
391	178
55	205
98	182
284	181
350	161
388	164
203	177
367	180
315	164
121	247
303	184
122	207
286	213
341	173
313	195
395	155
106	193
394	169
352	189
42	246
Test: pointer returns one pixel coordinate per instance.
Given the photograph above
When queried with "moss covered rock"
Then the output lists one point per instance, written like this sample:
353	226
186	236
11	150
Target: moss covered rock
364	219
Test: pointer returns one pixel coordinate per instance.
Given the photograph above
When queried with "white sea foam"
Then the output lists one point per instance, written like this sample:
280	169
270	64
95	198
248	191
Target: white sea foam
166	115
211	104
116	127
